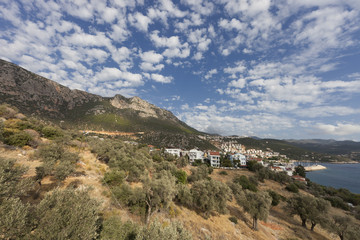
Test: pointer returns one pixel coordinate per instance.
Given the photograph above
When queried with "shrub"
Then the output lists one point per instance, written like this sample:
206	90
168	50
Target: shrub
51	132
245	183
114	177
183	195
156	230
223	173
181	177
337	202
233	219
210	195
114	229
67	214
19	139
200	173
275	197
292	188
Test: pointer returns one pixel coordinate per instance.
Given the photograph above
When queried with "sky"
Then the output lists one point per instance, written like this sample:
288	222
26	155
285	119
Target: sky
285	69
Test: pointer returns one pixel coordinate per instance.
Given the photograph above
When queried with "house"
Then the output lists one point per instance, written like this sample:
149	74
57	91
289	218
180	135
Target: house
240	160
299	178
214	159
173	151
195	154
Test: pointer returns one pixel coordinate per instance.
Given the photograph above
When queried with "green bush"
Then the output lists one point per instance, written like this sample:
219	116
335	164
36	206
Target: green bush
292	188
114	229
200	173
181	177
233	219
114	177
223	173
245	183
156	230
19	139
275	197
51	132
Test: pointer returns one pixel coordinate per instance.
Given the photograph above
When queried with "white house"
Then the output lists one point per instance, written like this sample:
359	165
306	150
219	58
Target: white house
238	157
173	151
195	154
214	158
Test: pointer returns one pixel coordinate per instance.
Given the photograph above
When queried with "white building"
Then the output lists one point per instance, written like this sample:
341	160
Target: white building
195	154
214	159
173	151
238	157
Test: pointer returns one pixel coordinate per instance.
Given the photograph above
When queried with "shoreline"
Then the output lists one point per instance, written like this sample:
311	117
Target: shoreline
317	167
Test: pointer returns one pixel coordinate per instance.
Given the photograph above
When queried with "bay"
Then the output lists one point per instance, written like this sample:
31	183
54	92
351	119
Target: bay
338	176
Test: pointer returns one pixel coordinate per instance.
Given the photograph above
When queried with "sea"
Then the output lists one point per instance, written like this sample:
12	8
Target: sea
338	176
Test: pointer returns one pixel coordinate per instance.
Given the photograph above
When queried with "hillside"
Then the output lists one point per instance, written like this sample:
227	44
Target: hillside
40	97
293	150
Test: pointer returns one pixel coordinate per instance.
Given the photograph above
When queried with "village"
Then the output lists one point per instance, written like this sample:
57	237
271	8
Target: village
235	156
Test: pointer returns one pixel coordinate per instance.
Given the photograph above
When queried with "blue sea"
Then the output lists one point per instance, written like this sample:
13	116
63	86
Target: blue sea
338	176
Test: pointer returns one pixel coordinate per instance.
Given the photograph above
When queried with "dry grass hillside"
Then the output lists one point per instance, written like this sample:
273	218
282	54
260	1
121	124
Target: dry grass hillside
90	171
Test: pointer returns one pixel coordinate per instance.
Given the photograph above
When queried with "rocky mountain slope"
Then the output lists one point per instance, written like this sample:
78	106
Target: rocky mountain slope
38	96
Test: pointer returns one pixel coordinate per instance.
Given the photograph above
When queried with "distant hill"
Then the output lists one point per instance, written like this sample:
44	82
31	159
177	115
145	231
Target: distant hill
291	150
41	97
350	149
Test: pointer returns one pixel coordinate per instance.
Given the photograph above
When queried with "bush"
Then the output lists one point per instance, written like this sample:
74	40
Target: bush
245	183
114	229
19	139
200	173
67	214
114	177
275	197
51	132
181	177
292	188
233	219
156	230
210	195
337	202
223	173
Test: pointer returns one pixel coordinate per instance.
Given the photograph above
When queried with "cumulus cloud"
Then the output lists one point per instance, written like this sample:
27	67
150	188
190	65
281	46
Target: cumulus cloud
140	21
340	129
160	78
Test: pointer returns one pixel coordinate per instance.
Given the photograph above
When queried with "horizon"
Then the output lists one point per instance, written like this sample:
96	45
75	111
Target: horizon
270	69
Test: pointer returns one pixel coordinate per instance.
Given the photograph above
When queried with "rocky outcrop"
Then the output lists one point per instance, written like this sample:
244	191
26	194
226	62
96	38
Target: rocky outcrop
29	91
144	108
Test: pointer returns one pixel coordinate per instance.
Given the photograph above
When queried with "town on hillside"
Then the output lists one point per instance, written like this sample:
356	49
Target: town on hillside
233	155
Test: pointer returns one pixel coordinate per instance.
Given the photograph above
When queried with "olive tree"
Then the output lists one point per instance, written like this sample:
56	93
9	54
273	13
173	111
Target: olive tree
156	230
257	204
67	214
158	191
210	195
344	227
301	205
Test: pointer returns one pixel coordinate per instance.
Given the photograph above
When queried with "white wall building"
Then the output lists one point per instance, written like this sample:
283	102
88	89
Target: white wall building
238	157
173	151
195	154
214	158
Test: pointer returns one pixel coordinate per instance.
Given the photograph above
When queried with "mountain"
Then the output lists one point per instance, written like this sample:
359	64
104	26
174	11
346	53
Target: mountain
41	97
347	148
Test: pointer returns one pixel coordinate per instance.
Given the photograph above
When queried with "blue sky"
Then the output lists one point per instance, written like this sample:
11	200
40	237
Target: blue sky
266	68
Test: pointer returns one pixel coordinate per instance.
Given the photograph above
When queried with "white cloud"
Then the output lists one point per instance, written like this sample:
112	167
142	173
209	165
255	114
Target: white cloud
146	66
160	78
151	57
240	83
140	21
210	73
119	78
239	68
340	129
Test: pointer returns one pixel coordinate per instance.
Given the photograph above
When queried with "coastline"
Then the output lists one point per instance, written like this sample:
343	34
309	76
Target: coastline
315	168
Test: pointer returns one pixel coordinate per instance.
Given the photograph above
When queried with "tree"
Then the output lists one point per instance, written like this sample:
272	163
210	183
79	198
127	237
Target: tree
156	230
344	227
300	170
210	195
245	183
114	229
159	192
67	214
301	205
199	173
318	212
14	219
12	184
257	204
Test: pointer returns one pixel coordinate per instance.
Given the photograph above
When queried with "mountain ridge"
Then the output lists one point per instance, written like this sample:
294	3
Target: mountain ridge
34	94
